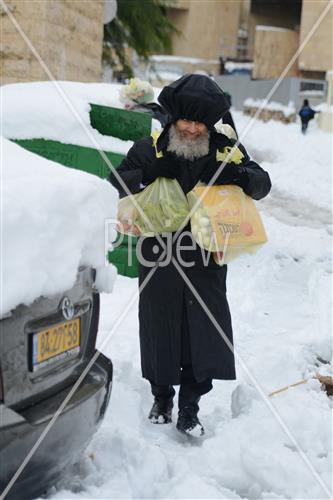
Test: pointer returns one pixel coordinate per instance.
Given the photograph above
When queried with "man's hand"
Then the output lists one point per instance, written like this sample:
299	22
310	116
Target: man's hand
124	227
218	257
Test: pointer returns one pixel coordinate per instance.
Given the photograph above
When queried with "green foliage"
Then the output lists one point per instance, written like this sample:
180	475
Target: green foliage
141	25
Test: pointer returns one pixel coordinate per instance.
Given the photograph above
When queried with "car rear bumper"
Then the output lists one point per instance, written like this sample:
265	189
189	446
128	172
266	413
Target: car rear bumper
63	444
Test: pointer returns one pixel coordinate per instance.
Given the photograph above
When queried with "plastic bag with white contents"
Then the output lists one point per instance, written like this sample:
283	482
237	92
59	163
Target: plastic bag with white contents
225	221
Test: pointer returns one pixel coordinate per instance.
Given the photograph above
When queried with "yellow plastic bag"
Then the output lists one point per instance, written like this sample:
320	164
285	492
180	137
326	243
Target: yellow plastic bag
225	221
164	208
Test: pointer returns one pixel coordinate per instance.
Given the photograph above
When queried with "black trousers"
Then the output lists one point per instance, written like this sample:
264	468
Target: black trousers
304	126
190	390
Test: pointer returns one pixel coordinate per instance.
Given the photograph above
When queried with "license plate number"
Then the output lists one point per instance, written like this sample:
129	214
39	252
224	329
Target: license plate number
61	341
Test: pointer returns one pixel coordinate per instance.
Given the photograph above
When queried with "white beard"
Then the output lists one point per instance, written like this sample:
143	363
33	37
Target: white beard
190	149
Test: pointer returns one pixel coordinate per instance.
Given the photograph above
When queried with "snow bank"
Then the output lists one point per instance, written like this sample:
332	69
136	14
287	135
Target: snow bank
180	59
231	66
323	106
52	222
59	111
273	106
263	27
300	166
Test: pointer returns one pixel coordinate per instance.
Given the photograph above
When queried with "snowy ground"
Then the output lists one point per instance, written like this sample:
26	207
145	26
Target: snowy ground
280	301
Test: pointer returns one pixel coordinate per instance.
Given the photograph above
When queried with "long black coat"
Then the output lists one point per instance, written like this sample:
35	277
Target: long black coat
167	305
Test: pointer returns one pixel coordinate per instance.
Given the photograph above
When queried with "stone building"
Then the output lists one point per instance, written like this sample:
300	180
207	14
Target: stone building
267	32
208	28
317	56
266	22
66	34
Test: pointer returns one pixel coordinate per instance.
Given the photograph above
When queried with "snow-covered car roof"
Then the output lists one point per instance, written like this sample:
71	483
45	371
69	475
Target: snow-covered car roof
53	221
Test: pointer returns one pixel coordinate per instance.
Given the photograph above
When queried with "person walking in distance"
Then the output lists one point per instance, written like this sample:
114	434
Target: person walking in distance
306	114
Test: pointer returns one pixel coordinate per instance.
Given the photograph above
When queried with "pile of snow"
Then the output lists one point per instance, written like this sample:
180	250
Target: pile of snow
59	111
312	93
52	222
271	105
323	107
263	27
300	166
181	59
231	66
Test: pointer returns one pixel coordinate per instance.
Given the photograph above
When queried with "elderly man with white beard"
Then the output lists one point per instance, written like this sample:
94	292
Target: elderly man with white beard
179	343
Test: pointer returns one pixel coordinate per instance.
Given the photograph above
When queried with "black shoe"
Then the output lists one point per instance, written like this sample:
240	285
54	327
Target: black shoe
161	411
188	423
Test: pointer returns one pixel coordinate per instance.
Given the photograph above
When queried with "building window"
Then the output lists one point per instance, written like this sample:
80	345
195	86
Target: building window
312	88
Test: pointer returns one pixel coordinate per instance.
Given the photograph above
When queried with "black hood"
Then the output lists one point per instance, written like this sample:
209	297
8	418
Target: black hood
196	98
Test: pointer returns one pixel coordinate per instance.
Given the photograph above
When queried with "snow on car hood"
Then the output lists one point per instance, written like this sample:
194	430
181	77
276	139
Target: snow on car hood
53	221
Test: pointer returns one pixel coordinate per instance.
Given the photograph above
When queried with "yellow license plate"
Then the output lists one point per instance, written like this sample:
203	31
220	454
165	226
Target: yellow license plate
60	341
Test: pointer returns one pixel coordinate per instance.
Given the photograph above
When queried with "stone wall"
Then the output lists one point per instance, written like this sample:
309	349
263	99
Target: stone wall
208	28
273	50
276	14
67	34
317	54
